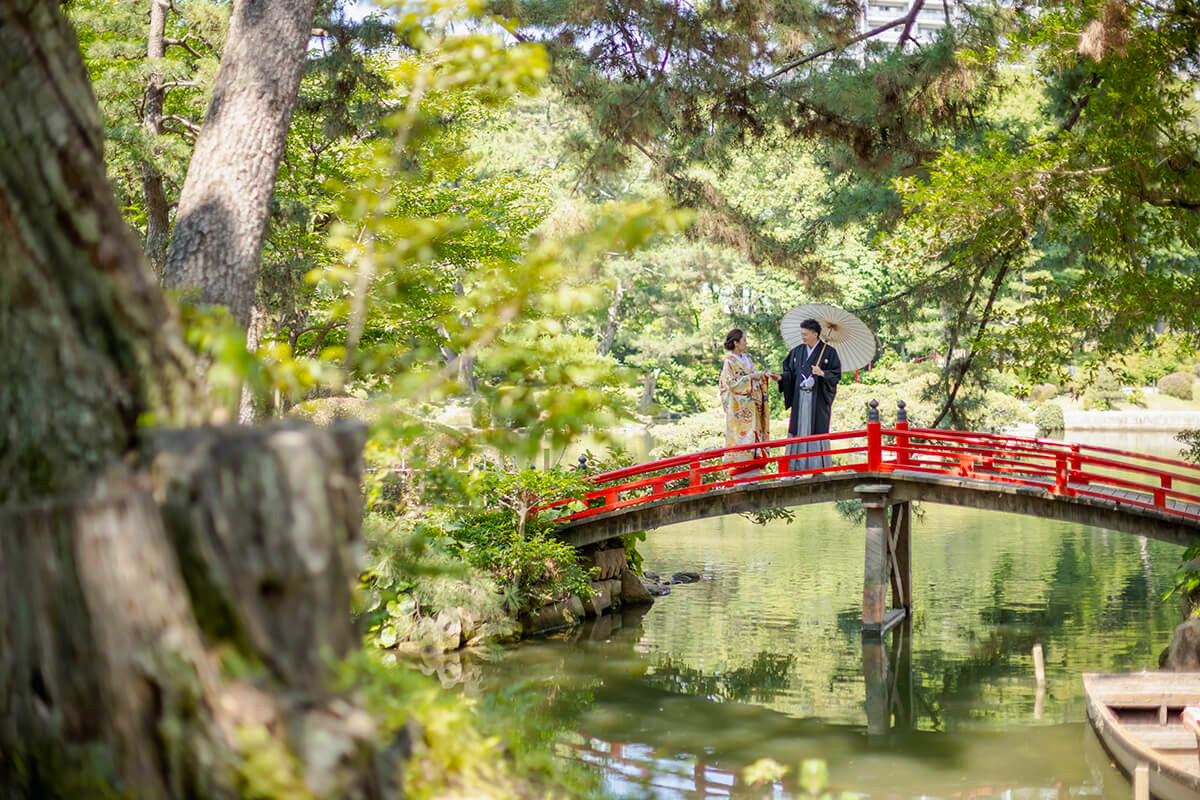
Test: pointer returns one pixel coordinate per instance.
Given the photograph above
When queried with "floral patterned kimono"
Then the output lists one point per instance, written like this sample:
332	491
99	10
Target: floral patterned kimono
747	407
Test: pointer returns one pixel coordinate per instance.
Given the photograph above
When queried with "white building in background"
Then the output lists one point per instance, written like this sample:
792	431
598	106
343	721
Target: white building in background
931	18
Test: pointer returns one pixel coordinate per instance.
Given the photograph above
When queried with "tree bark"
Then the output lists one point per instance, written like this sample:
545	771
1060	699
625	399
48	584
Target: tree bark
248	406
614	315
649	384
225	203
113	608
464	363
81	316
99	649
119	589
158	222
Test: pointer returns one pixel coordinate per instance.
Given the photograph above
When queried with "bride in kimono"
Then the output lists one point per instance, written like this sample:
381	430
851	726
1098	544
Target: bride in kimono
743	391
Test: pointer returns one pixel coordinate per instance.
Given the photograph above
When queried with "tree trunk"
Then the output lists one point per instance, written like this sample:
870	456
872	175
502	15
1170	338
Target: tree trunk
649	384
158	223
118	590
103	680
464	362
116	606
614	314
225	204
80	314
249	411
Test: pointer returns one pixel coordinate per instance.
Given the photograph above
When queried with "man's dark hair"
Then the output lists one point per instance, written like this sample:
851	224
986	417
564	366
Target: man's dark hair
812	325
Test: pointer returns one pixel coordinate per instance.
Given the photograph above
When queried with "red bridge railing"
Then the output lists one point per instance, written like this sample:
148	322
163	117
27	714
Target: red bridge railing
1063	468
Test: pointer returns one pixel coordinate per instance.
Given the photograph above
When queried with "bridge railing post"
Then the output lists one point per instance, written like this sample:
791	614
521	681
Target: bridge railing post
1061	474
693	477
1160	494
874	438
902	454
1076	464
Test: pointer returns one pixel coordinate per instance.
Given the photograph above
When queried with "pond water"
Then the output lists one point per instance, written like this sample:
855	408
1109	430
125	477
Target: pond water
764	658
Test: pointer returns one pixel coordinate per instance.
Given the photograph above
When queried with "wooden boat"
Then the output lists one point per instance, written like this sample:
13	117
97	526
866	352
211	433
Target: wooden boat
1136	717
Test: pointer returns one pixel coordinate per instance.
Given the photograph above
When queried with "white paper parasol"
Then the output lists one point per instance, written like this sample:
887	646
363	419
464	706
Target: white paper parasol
848	334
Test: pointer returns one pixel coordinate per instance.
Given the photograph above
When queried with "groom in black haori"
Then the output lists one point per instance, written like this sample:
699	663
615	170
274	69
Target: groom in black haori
810	377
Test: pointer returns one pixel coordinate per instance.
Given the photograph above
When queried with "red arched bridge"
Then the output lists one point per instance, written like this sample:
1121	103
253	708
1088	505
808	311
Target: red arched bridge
887	468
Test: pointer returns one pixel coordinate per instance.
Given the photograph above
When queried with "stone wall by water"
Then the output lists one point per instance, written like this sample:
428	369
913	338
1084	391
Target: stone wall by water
615	586
1173	420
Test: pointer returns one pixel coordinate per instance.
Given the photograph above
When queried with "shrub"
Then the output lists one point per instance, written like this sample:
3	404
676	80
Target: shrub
470	567
1190	439
1041	392
1104	392
1177	384
1049	418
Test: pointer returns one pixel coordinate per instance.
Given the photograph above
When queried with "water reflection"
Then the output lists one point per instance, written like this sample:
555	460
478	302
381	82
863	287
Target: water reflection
631	769
764	659
654	728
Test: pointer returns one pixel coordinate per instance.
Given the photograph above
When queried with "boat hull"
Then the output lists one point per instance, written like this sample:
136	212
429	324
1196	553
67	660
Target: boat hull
1174	765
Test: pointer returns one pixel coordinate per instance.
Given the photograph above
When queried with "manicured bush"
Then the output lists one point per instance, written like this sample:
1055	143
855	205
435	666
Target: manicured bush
1049	418
1041	392
1104	392
1177	384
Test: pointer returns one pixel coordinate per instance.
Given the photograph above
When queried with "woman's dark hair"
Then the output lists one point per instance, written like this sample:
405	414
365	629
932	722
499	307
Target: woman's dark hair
733	337
812	325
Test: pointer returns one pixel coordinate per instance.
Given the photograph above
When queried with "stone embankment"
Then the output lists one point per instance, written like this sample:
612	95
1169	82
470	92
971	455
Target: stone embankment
1142	419
616	586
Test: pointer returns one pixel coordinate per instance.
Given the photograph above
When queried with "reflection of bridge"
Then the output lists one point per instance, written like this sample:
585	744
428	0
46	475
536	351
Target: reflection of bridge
665	754
674	739
887	469
689	777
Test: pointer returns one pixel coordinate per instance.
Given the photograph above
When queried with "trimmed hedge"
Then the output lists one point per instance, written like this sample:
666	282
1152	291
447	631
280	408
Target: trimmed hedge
1177	384
1049	418
1042	392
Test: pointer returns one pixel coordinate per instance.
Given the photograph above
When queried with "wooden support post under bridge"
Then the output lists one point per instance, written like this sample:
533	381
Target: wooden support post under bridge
887	561
888	679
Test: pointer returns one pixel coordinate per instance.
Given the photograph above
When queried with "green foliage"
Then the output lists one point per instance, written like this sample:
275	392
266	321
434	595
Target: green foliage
450	755
1049	419
766	675
766	515
113	39
763	771
632	556
419	592
814	778
1169	353
1177	384
1042	392
703	431
472	563
1073	234
1104	392
1187	576
1190	439
266	770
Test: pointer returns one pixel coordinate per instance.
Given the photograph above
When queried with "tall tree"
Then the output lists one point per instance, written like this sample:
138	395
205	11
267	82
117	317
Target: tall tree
223	209
115	608
158	222
80	315
151	72
686	84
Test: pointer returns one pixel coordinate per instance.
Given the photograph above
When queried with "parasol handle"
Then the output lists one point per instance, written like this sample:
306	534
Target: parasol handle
824	344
